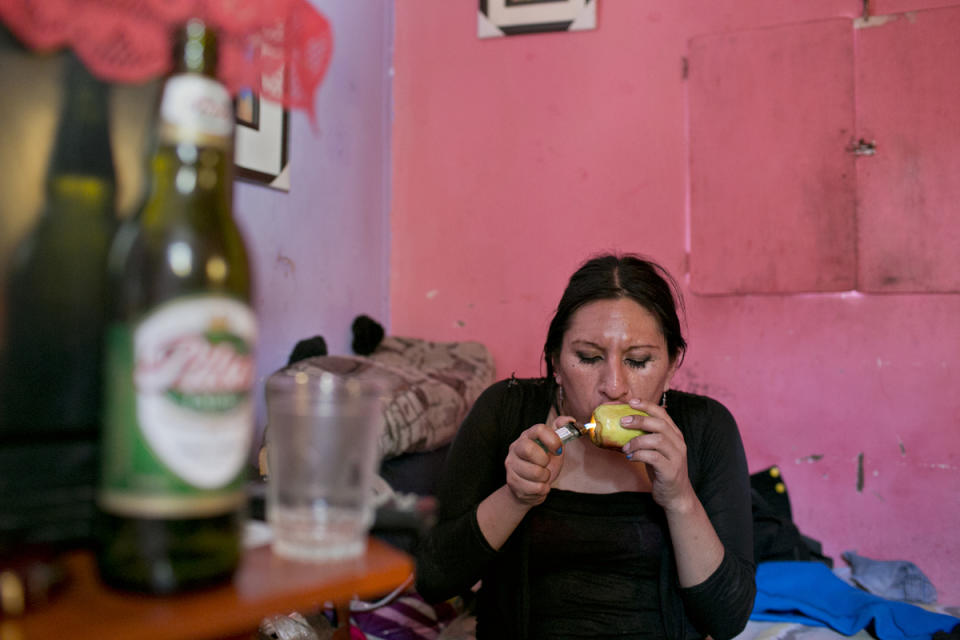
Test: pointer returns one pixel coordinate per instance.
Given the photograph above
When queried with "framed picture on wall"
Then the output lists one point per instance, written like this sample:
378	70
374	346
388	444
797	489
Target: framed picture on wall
261	139
497	18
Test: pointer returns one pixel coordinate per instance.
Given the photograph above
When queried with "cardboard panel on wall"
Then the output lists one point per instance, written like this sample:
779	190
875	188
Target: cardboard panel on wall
908	105
772	182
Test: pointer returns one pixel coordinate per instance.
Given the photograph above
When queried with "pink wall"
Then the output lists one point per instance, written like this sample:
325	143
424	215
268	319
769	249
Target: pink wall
515	158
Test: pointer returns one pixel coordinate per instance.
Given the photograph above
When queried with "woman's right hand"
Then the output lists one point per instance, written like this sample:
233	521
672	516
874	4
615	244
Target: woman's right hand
531	470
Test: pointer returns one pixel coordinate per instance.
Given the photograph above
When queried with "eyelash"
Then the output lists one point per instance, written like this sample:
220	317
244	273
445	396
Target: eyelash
636	364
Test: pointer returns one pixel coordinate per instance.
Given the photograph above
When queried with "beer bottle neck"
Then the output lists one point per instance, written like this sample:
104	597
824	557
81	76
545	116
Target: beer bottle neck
195	49
193	160
81	169
192	171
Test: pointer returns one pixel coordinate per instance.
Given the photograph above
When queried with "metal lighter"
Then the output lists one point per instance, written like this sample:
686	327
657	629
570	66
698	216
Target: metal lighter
570	431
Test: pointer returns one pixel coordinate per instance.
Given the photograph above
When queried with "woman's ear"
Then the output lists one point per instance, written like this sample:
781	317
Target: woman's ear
674	365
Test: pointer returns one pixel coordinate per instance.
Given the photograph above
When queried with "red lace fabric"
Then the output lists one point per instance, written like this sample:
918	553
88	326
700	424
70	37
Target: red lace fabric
279	48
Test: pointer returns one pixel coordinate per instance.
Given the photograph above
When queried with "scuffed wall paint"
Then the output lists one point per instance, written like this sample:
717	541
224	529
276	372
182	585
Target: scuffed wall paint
871	22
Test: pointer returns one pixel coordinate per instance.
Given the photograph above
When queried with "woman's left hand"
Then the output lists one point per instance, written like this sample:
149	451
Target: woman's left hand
664	451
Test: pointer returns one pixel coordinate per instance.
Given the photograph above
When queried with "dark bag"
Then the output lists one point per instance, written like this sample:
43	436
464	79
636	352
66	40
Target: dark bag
775	536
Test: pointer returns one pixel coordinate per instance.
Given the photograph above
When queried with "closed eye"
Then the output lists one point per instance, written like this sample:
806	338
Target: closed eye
638	364
584	358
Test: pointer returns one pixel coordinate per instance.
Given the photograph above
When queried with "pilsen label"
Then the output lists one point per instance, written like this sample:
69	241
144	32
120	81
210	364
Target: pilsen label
211	372
193	377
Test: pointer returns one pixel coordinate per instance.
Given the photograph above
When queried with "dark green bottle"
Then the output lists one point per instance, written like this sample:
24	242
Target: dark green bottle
50	371
179	351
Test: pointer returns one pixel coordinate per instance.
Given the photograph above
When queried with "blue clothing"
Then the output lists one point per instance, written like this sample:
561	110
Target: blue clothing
809	593
893	579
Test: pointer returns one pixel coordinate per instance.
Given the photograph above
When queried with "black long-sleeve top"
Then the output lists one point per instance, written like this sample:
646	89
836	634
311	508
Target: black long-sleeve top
454	555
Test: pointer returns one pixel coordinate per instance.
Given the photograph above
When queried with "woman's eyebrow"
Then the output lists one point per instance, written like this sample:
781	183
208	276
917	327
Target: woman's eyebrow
585	343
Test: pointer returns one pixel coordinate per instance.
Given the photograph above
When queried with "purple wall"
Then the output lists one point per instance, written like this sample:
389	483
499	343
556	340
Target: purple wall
515	158
320	251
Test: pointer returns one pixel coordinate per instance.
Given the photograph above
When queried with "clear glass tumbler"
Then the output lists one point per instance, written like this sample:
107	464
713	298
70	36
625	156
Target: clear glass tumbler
322	457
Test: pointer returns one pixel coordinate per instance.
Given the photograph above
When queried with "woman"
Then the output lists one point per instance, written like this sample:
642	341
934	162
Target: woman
572	540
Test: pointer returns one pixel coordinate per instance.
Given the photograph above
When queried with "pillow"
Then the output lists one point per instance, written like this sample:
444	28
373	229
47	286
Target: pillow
429	387
467	367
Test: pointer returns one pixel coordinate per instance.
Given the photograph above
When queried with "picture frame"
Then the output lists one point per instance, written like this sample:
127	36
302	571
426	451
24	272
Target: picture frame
497	18
261	139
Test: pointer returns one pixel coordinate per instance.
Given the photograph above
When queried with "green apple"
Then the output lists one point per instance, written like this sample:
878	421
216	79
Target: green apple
607	431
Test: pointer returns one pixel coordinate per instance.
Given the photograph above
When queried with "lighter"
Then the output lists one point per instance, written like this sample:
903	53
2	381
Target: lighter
569	431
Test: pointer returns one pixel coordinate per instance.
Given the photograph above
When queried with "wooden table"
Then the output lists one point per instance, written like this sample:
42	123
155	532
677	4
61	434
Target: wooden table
264	585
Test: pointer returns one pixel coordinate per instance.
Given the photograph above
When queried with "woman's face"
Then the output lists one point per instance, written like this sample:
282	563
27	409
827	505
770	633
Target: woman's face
613	351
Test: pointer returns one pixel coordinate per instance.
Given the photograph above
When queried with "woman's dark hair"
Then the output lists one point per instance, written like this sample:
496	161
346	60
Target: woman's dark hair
614	276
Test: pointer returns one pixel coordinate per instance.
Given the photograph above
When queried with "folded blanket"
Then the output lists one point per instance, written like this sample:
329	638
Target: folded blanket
809	593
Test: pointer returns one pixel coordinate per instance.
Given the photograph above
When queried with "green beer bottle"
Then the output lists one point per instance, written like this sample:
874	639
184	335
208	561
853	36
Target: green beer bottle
55	299
178	420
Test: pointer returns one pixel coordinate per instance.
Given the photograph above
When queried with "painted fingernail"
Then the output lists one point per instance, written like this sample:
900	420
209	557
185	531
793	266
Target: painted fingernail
629	455
559	450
